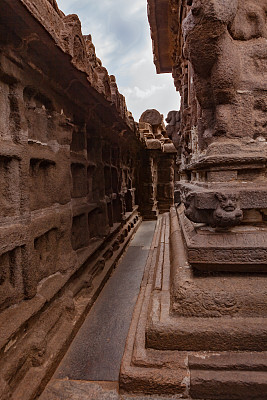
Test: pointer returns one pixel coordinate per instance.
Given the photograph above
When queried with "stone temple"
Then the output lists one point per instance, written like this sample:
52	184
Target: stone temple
80	179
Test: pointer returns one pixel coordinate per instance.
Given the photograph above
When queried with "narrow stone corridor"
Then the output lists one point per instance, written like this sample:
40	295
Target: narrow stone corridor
133	254
90	368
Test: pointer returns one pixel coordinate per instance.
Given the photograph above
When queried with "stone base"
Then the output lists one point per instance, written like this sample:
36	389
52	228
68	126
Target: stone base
240	249
145	370
217	350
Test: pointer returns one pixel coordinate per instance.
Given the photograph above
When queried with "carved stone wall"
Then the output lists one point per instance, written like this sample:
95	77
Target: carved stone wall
68	170
202	325
219	58
219	65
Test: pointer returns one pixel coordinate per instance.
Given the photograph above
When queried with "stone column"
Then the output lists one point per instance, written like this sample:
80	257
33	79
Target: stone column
157	172
224	138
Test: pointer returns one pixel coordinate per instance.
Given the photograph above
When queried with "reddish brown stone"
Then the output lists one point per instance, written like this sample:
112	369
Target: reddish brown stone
63	202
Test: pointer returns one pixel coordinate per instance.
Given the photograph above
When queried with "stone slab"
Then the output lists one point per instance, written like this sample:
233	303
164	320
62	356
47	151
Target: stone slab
82	390
96	352
250	196
242	249
228	385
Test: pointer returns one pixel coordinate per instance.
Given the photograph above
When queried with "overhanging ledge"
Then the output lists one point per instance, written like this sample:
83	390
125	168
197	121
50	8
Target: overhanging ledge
159	20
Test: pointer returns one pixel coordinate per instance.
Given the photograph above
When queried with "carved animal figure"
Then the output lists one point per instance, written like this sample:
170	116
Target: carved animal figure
225	40
227	212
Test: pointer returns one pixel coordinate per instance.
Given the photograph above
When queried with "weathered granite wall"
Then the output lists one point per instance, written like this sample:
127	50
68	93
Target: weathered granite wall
68	177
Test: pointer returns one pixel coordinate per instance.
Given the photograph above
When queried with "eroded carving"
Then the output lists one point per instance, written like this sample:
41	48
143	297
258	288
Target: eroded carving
46	253
173	129
192	301
225	42
55	6
227	212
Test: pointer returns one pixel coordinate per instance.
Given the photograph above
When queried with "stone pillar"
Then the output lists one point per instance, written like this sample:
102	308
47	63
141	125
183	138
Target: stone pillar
157	172
165	186
148	186
224	155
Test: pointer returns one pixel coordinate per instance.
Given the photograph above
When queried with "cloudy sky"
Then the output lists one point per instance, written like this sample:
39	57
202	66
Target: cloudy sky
120	33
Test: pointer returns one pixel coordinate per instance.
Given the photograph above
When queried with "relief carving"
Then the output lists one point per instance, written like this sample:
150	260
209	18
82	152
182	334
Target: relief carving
239	256
74	42
227	211
191	301
226	43
173	129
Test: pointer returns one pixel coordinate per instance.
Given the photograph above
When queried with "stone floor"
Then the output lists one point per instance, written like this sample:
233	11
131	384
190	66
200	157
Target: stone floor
85	390
90	368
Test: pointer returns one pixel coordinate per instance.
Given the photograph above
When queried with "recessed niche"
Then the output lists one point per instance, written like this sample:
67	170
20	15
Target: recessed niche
115	156
43	185
108	183
80	232
98	184
4	110
39	115
79	180
11	281
96	223
114	179
10	190
46	254
78	142
14	113
94	151
106	154
249	174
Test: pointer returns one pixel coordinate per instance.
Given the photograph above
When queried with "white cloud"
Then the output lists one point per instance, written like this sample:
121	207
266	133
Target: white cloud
136	6
142	94
121	35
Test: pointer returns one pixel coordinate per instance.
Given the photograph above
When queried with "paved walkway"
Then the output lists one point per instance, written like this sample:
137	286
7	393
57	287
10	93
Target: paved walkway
90	368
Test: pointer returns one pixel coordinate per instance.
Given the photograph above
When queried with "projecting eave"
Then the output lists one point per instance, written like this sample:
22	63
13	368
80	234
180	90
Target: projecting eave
161	18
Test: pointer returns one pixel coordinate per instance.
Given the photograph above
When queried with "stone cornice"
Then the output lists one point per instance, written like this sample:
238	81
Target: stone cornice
165	27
